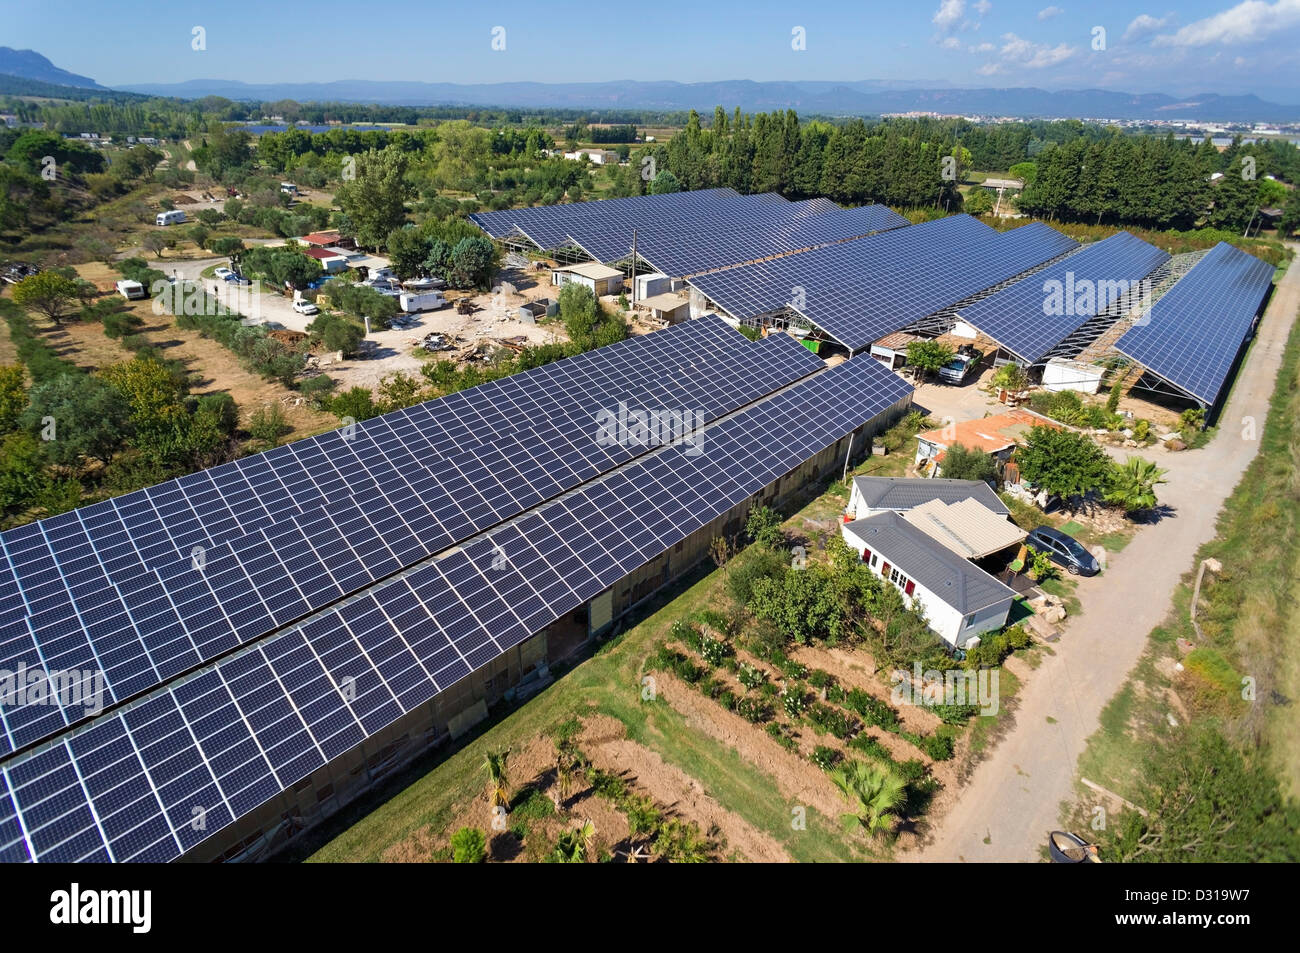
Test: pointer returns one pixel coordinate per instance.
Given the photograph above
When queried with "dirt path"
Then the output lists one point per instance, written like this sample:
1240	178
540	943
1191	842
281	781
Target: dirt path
605	741
1014	797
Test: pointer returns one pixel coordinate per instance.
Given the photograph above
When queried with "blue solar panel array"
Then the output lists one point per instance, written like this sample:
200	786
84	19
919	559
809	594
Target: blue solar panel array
1033	315
231	736
548	226
679	250
115	587
861	290
1193	334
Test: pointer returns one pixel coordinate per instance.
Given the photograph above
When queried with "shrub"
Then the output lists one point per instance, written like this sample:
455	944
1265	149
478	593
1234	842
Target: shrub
753	710
714	650
825	758
939	746
727	700
790	668
831	720
781	734
871	709
819	678
751	677
794	701
469	846
870	746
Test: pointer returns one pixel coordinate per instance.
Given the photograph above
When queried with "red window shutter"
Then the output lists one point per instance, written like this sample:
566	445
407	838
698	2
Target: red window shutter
909	587
866	555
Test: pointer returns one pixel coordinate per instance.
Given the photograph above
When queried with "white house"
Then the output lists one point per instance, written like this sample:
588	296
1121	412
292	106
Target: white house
596	156
872	495
959	600
921	535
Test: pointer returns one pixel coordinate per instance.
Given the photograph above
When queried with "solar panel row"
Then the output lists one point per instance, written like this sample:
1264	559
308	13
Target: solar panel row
680	251
860	290
1191	337
1033	315
547	226
215	745
502	223
118	588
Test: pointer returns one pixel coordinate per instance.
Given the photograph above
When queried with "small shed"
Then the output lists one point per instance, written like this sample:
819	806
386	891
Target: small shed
891	350
601	279
329	261
670	308
1061	374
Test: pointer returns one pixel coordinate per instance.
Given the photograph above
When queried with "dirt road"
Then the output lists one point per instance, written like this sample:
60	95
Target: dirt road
1014	797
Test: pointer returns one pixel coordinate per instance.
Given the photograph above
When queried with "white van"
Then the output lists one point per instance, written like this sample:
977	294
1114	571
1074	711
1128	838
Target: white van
130	290
174	217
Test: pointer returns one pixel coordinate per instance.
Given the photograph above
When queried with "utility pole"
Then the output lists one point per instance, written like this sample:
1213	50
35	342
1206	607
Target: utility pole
634	269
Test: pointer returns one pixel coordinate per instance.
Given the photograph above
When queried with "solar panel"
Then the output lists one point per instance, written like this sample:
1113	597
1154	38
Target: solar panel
500	224
352	514
1033	315
679	251
230	737
1192	336
857	291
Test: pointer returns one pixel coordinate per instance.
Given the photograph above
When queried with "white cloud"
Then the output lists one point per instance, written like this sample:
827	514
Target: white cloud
1017	51
949	14
951	43
1145	23
983	48
1048	12
1247	22
983	7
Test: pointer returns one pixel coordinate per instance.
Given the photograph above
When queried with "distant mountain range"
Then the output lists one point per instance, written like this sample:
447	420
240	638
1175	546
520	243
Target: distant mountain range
28	64
857	98
861	98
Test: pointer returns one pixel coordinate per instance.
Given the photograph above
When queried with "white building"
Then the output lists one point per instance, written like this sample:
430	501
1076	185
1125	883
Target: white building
600	279
922	535
595	156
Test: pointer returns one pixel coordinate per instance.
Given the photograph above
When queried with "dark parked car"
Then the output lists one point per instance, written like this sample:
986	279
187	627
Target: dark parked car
1064	550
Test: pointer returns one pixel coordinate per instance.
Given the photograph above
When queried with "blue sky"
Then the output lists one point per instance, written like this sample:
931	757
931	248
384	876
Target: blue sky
1225	46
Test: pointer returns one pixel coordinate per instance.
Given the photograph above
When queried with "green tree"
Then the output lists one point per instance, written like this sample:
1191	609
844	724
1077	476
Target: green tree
199	235
155	242
13	396
375	200
226	246
763	526
664	183
23	477
471	264
1012	377
875	794
1024	171
469	846
926	357
980	202
962	463
79	417
1062	462
407	251
268	424
356	402
47	293
1206	802
1132	485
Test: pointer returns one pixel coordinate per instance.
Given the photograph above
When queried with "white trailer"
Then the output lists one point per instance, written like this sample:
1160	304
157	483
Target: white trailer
174	217
412	302
130	290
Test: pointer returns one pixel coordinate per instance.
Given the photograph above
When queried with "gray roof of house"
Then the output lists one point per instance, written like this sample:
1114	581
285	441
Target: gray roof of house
955	580
900	493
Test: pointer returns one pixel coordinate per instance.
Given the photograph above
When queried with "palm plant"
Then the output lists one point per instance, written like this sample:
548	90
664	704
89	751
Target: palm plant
1012	377
876	795
498	777
571	846
1133	485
